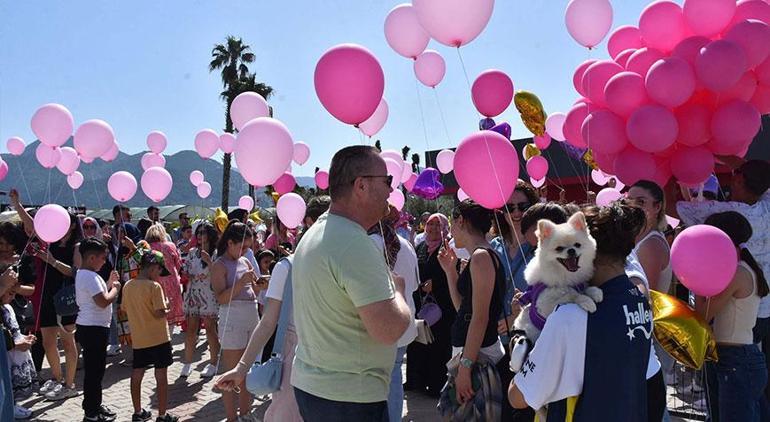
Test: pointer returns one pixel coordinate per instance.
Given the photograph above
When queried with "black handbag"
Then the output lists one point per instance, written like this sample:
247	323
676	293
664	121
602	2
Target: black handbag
64	301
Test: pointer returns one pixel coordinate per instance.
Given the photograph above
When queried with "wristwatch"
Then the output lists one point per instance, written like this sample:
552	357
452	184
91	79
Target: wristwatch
466	362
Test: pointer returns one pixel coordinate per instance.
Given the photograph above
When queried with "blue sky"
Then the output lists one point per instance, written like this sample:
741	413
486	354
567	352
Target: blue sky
142	65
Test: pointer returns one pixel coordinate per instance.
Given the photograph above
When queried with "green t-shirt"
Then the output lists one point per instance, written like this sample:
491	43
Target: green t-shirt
337	268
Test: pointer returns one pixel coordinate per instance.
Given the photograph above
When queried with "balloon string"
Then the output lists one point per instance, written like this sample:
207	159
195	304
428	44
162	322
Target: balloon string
24	181
555	170
588	141
441	113
424	129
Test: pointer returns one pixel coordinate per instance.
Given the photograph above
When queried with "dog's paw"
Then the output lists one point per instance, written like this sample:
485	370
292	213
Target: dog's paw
586	303
519	352
596	294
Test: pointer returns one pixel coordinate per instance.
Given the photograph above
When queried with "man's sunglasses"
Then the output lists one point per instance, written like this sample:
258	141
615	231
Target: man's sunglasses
388	178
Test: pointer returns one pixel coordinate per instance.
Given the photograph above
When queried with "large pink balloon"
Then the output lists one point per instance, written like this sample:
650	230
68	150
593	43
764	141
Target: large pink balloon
69	161
694	122
625	92
596	77
445	161
150	160
111	153
662	172
246	202
409	184
606	162
537	167
453	22
301	153
670	81
75	180
429	67
632	165
607	196
662	25
196	177
652	128
642	60
15	145
247	106
604	132
206	143
404	33
754	38
51	223
376	121
396	198
734	124
52	124
577	77
3	170
284	184
94	138
689	48
349	82
322	179
203	190
623	38
554	124
157	183
290	209
708	17
47	157
720	65
588	21
121	186
227	142
492	92
486	167
261	135
761	99
573	124
395	169
751	9
704	259
156	141
692	165
623	56
742	90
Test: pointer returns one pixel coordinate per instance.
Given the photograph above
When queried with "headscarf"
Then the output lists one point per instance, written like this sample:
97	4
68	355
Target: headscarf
387	229
99	234
433	245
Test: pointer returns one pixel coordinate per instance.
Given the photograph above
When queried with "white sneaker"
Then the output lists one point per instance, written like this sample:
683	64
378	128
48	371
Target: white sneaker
21	412
61	392
113	350
186	370
700	405
47	386
209	371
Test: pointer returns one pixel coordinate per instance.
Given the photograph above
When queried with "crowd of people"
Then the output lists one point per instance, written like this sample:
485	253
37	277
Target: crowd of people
360	288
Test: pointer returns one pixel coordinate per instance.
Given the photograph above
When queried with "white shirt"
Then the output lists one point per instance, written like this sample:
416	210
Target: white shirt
249	255
419	238
278	282
405	266
87	285
759	245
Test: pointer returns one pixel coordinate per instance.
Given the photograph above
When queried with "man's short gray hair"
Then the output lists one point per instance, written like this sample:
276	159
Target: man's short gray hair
348	164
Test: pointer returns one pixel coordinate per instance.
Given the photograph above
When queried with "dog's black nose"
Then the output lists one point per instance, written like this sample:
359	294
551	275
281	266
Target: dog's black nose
570	252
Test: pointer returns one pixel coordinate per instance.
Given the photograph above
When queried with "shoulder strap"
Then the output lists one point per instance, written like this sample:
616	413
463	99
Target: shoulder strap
286	308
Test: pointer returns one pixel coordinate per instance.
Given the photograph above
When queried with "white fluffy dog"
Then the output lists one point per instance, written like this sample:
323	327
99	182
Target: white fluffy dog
563	263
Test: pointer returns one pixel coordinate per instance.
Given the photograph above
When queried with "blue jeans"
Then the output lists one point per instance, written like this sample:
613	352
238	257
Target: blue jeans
316	409
736	384
113	339
396	395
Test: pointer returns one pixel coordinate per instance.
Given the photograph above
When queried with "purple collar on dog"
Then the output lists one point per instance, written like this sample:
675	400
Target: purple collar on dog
530	298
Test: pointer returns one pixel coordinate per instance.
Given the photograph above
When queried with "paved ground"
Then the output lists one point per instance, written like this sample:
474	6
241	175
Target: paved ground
190	399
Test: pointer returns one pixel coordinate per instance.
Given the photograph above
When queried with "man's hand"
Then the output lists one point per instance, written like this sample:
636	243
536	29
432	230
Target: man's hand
13	195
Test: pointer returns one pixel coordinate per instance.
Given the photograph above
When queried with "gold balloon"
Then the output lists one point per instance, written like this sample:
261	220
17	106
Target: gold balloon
275	196
220	220
588	158
255	217
531	110
681	331
530	150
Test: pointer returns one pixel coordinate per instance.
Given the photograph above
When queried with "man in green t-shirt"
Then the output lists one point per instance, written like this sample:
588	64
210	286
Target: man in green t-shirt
349	310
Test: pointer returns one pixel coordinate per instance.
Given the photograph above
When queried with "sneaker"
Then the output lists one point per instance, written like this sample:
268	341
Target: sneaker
21	413
113	350
167	418
209	371
61	392
186	370
97	418
107	413
142	416
48	386
700	405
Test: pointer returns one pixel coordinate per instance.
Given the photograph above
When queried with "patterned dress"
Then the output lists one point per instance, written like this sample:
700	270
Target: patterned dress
128	268
171	284
199	299
23	375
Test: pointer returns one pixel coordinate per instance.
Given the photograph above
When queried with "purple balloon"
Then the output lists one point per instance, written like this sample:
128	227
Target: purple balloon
428	184
503	128
573	152
486	124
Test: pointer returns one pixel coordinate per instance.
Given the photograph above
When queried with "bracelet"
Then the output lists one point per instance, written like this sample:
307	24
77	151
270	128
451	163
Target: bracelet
466	362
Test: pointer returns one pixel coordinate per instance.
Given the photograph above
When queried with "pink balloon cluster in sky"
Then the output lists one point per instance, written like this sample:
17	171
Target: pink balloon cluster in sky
687	83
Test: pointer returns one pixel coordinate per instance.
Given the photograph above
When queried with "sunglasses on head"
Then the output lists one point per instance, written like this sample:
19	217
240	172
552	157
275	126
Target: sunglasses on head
521	206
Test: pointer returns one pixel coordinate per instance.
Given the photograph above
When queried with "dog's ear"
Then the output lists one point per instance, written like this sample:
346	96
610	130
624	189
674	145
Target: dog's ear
578	221
545	229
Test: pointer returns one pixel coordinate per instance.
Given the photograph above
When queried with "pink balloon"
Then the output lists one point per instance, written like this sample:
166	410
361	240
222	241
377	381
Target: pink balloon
694	122
662	172
623	38
157	183
642	60
588	21
94	138
751	9
537	183
87	160
407	173
203	190
662	25
301	153
704	259
69	161
322	179
47	157
52	124
762	71
652	128
577	77
397	199
110	155
150	160
692	165
537	167
395	169
754	38
492	92
742	90
121	186
573	124
445	161
625	92
284	184
543	142
670	81
453	22
461	195
392	154
606	162
15	145
409	184
227	142
632	165
734	124
246	203
376	121
623	56
196	177
156	141
554	125
75	180
404	33
596	77
51	223
604	132
206	143
349	82
246	107
3	170
487	167
708	17
599	177
689	48
720	65
607	196
260	135
429	67
761	99
290	209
